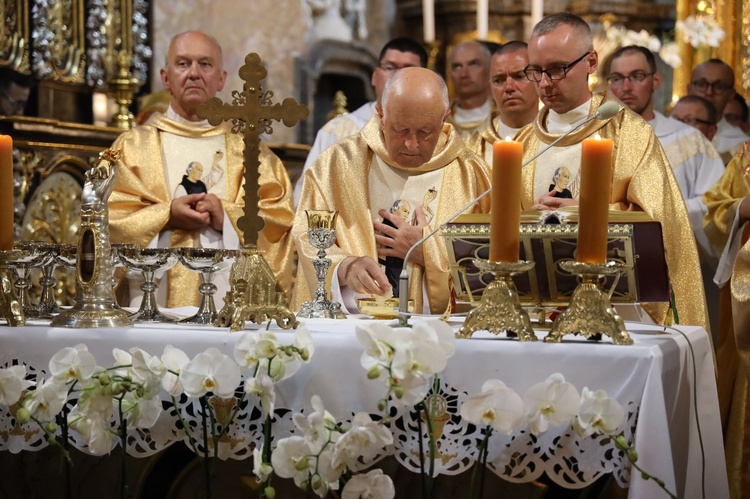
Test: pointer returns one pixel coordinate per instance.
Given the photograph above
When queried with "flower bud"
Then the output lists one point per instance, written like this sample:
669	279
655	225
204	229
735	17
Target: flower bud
381	405
398	392
621	443
316	483
270	492
632	455
23	415
140	391
103	379
51	427
304	354
116	388
373	372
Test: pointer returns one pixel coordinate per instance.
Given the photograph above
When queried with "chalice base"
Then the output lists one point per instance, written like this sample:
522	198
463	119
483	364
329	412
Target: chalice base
321	309
590	312
10	307
92	314
500	309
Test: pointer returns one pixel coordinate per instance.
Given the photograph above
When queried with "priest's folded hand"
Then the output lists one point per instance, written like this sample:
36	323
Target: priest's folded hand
183	215
212	205
396	238
551	202
362	274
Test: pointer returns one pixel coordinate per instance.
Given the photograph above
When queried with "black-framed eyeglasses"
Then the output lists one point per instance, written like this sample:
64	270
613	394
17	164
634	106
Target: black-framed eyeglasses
617	79
18	105
554	73
689	120
717	86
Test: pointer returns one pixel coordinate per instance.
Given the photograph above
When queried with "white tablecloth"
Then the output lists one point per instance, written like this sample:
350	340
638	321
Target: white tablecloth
665	381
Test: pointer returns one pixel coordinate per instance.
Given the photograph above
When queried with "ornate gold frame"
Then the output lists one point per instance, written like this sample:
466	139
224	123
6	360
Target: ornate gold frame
14	36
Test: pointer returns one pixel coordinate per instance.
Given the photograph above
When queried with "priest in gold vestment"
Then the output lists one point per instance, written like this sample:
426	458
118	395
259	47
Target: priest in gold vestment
404	173
561	56
144	209
725	224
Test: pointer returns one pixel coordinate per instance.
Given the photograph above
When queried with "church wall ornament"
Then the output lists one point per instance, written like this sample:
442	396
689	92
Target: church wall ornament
14	35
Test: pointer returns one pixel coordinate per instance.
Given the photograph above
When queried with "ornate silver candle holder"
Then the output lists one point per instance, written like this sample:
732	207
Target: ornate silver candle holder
500	309
207	261
590	312
321	232
31	255
10	306
148	261
94	307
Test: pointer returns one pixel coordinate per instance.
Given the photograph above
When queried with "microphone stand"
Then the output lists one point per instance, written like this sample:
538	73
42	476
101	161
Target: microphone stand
403	278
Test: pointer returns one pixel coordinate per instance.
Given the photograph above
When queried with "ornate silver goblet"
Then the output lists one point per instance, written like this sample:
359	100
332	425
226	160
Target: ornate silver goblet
321	232
207	261
148	261
25	256
47	304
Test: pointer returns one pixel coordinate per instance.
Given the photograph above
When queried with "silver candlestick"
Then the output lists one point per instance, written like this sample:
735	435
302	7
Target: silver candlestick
321	233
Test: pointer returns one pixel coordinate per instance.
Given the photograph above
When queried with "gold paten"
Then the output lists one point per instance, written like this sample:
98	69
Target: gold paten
500	309
590	312
253	295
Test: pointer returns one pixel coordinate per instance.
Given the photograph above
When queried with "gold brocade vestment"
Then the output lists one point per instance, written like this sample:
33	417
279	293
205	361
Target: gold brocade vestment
733	335
642	180
338	180
139	207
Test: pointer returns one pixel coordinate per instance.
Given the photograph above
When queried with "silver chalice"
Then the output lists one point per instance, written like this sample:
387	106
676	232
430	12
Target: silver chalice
208	262
148	261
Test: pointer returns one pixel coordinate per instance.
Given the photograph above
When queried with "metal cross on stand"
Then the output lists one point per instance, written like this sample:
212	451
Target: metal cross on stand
251	113
253	295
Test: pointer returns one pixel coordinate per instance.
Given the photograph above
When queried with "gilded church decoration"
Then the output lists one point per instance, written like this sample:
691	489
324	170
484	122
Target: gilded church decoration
14	35
58	32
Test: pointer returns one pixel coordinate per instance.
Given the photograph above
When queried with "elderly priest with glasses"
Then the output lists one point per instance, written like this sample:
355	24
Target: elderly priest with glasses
561	56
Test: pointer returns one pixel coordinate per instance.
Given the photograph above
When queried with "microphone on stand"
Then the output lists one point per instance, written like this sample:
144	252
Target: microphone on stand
604	112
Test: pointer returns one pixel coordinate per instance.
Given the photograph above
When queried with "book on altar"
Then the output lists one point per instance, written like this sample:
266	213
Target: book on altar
547	238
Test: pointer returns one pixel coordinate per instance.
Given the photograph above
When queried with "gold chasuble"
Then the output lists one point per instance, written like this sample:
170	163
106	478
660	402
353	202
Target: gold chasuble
726	234
642	181
139	207
483	137
341	179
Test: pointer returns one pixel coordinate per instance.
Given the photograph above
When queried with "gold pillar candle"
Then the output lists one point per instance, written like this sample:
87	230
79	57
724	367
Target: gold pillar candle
6	192
505	219
593	213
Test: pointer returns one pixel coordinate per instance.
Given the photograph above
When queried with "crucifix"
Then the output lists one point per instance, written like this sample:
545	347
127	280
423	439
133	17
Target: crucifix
253	295
251	113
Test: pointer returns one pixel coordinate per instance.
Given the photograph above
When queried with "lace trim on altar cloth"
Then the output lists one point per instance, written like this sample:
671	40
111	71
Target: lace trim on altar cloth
568	460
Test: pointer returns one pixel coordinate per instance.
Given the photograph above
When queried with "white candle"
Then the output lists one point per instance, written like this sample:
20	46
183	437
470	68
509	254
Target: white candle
537	11
482	13
428	20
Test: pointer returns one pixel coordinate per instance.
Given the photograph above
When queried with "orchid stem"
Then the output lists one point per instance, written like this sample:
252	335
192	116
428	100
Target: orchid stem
206	469
478	473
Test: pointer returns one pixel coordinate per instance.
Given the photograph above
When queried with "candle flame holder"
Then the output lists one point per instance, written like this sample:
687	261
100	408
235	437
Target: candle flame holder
590	312
500	309
10	306
321	232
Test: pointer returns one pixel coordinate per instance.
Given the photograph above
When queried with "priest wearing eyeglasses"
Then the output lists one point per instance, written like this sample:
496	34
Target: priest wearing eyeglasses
561	57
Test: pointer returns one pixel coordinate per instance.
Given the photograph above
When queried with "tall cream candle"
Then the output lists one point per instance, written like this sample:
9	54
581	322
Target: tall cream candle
505	220
428	20
6	192
482	19
593	212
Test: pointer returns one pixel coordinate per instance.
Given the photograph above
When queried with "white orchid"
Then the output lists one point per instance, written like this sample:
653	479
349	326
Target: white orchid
174	361
47	400
261	470
147	370
262	385
96	400
372	485
497	406
700	31
12	384
315	428
96	431
291	459
598	413
72	363
550	403
325	475
141	412
363	439
210	371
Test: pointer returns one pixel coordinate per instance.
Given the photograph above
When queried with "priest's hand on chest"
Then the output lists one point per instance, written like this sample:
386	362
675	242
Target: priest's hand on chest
212	205
396	238
184	216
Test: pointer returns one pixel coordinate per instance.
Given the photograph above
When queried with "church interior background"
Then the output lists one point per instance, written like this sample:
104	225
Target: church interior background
91	76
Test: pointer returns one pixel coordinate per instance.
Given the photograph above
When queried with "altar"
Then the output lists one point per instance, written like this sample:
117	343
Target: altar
665	382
